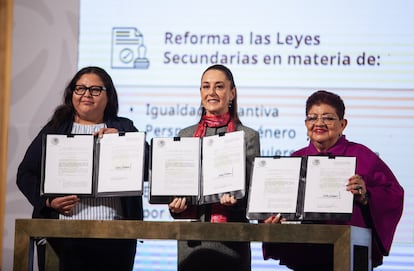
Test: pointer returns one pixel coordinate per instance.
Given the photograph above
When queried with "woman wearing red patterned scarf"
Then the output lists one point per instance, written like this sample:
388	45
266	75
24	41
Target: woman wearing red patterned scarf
219	114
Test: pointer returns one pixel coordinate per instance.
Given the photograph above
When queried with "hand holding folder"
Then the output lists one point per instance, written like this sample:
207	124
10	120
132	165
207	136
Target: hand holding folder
86	165
199	169
301	188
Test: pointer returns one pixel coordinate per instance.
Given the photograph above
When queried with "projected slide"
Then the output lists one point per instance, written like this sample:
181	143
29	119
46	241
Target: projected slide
279	53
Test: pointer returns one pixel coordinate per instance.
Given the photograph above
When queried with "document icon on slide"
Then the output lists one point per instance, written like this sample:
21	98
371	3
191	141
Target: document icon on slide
128	49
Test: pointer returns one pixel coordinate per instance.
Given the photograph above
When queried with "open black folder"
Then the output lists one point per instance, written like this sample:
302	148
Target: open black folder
301	188
200	169
86	165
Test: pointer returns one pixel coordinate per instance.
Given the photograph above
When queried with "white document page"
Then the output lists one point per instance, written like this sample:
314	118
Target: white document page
274	185
224	163
68	164
326	181
121	162
175	166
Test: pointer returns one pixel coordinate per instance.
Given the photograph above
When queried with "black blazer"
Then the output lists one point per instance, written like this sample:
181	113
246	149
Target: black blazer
29	173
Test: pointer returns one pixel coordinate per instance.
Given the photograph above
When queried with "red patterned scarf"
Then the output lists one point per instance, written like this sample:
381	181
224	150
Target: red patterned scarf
215	121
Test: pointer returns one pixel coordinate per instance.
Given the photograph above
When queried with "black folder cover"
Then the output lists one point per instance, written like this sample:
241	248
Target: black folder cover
79	165
325	196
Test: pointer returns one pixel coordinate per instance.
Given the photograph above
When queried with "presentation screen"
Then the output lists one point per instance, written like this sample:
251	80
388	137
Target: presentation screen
279	52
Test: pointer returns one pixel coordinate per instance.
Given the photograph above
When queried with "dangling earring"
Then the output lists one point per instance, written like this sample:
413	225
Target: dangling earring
230	103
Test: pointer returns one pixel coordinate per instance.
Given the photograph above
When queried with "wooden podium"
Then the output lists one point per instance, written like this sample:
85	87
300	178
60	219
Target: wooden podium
351	245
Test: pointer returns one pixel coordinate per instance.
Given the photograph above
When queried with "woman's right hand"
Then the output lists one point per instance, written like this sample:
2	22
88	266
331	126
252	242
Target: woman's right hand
63	205
178	205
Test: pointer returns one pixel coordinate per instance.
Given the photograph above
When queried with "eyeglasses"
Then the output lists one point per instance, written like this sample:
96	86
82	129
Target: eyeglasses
93	90
328	120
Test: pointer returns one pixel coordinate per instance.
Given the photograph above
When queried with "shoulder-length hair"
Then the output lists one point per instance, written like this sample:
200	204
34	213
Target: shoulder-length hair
66	111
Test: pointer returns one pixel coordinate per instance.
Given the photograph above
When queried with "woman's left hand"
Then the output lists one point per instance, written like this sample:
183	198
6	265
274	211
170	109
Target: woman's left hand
274	219
356	185
103	131
228	200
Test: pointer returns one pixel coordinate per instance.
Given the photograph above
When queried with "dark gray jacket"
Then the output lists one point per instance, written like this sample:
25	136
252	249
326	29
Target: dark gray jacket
218	256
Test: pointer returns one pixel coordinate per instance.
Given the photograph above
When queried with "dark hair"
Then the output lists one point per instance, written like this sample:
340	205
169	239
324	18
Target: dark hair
233	106
66	111
326	97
